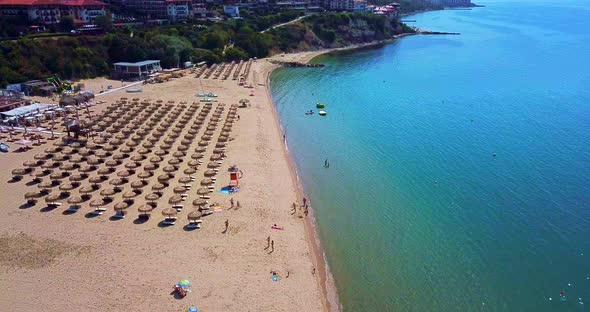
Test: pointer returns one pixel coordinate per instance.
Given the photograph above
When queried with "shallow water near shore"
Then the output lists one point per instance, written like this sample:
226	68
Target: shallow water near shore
415	212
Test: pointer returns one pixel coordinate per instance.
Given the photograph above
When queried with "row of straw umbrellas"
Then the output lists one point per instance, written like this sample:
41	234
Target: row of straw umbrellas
136	144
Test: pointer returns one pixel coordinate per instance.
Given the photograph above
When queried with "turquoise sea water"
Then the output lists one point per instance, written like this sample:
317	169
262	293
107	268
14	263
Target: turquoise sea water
503	233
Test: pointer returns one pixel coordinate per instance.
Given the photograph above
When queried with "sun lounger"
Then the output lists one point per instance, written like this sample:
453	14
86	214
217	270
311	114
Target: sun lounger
178	207
194	224
205	197
119	216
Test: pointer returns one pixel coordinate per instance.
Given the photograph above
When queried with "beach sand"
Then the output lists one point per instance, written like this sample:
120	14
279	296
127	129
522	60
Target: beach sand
56	262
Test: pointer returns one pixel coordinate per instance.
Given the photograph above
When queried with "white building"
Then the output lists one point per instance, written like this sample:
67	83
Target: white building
348	5
231	10
450	2
51	11
178	9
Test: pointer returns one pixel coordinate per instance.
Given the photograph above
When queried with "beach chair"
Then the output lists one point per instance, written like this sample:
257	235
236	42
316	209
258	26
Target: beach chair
178	207
194	224
211	187
205	197
169	221
119	215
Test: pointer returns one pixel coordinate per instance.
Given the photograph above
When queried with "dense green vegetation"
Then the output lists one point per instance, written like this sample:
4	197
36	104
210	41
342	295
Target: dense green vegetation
90	56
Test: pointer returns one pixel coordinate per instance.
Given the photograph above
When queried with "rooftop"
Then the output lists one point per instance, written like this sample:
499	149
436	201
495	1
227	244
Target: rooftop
52	2
137	64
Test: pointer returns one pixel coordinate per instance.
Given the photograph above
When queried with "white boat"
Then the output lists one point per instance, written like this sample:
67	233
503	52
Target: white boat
322	113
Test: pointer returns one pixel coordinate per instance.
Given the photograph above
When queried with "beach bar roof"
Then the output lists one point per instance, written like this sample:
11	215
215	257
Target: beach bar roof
27	110
138	69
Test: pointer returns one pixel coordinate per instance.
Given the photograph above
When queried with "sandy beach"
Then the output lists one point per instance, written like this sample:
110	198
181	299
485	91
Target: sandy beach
55	261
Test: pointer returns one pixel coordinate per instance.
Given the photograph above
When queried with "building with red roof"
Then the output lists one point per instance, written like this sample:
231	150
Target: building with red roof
51	11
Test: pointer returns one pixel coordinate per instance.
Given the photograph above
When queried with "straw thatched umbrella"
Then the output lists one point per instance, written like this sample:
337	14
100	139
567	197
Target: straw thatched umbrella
128	148
169	212
18	173
95	181
136	185
52	199
200	149
175	199
101	154
123	174
213	165
104	171
210	173
66	187
132	165
199	202
67	167
223	139
129	195
117	182
203	191
50	165
137	158
112	163
158	187
97	203
169	169
120	208
203	143
207	181
41	173
178	154
31	164
42	156
77	177
190	171
150	167
185	180
156	159
215	157
164	178
108	192
182	148
197	156
147	145
119	156
193	164
57	175
45	186
143	151
151	198
144	175
110	148
31	197
145	209
194	215
87	168
161	152
174	161
75	201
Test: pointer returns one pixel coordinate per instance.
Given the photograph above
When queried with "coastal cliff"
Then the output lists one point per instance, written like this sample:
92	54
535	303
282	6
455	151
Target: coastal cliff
336	31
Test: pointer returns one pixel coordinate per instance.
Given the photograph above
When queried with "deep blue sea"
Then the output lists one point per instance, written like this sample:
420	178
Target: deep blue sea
415	212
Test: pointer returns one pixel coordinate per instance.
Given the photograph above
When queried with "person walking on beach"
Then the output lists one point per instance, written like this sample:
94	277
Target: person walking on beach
304	202
226	226
231	201
267	243
272	246
326	163
294	209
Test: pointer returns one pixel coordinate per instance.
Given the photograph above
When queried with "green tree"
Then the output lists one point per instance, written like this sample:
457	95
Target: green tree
105	22
67	23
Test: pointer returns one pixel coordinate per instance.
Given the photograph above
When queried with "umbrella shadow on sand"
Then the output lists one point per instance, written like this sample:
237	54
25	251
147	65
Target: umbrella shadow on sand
26	206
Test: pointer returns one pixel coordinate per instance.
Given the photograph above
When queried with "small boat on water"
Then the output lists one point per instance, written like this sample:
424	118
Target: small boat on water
320	105
134	90
309	112
4	147
322	113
